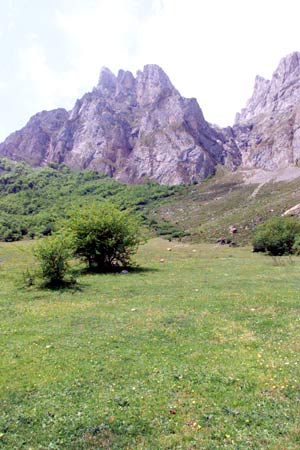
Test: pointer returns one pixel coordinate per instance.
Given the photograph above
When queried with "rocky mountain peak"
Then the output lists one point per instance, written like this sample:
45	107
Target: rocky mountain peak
153	85
277	94
149	87
107	81
267	131
288	67
140	128
33	142
125	82
130	128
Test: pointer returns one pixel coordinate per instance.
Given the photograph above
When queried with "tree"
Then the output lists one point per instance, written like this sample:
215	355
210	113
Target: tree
103	236
277	236
53	254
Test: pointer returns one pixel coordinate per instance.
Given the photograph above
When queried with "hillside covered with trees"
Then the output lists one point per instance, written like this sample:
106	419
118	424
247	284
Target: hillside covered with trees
32	200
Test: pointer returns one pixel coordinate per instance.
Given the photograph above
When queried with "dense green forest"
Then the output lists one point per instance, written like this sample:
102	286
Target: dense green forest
33	200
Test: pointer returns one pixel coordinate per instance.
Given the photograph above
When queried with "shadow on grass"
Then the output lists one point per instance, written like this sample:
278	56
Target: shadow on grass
70	285
116	271
73	286
142	270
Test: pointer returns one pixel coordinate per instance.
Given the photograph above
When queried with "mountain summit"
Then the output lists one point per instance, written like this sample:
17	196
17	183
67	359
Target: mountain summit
131	128
267	131
139	128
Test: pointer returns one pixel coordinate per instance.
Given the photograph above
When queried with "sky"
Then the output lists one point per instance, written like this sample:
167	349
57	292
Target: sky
52	51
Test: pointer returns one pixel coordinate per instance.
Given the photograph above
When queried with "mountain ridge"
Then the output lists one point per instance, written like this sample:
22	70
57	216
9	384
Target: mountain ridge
140	128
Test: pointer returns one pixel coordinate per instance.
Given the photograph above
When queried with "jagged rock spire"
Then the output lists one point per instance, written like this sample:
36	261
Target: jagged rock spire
107	81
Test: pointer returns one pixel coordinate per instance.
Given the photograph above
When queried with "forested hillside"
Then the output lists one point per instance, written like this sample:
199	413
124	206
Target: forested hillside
31	200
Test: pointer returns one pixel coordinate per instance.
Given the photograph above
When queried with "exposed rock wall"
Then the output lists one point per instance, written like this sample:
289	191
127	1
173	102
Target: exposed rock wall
129	128
36	140
267	131
139	128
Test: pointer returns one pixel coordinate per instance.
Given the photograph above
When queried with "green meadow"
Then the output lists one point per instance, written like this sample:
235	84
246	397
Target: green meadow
196	348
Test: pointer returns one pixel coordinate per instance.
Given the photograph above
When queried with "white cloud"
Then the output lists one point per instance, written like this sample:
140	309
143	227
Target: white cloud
101	35
51	87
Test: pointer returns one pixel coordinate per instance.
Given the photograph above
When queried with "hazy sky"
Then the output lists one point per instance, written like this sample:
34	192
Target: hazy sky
52	50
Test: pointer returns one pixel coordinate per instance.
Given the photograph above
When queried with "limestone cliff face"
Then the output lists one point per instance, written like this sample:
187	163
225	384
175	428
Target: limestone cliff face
33	143
139	128
131	128
267	131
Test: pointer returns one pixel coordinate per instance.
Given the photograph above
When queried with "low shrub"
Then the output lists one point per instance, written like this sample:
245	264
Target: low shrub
277	236
53	254
103	236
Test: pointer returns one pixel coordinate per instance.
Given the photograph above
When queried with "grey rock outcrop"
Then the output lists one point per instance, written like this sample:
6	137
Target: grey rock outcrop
292	212
36	140
130	128
267	131
140	128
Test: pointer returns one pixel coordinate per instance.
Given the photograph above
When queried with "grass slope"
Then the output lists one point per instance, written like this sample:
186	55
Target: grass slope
200	351
31	200
206	211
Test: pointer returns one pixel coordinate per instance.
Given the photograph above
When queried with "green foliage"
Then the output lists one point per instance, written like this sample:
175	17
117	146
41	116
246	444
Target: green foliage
31	200
12	228
165	228
296	246
277	236
53	254
103	236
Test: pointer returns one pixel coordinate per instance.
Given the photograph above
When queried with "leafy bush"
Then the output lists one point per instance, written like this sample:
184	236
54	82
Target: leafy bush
11	228
165	228
53	254
277	236
296	246
103	236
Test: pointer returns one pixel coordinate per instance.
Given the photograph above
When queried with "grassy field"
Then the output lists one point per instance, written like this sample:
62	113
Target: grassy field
200	351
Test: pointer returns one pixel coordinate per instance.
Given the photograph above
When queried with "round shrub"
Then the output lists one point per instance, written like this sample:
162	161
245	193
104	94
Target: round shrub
103	236
277	236
53	254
